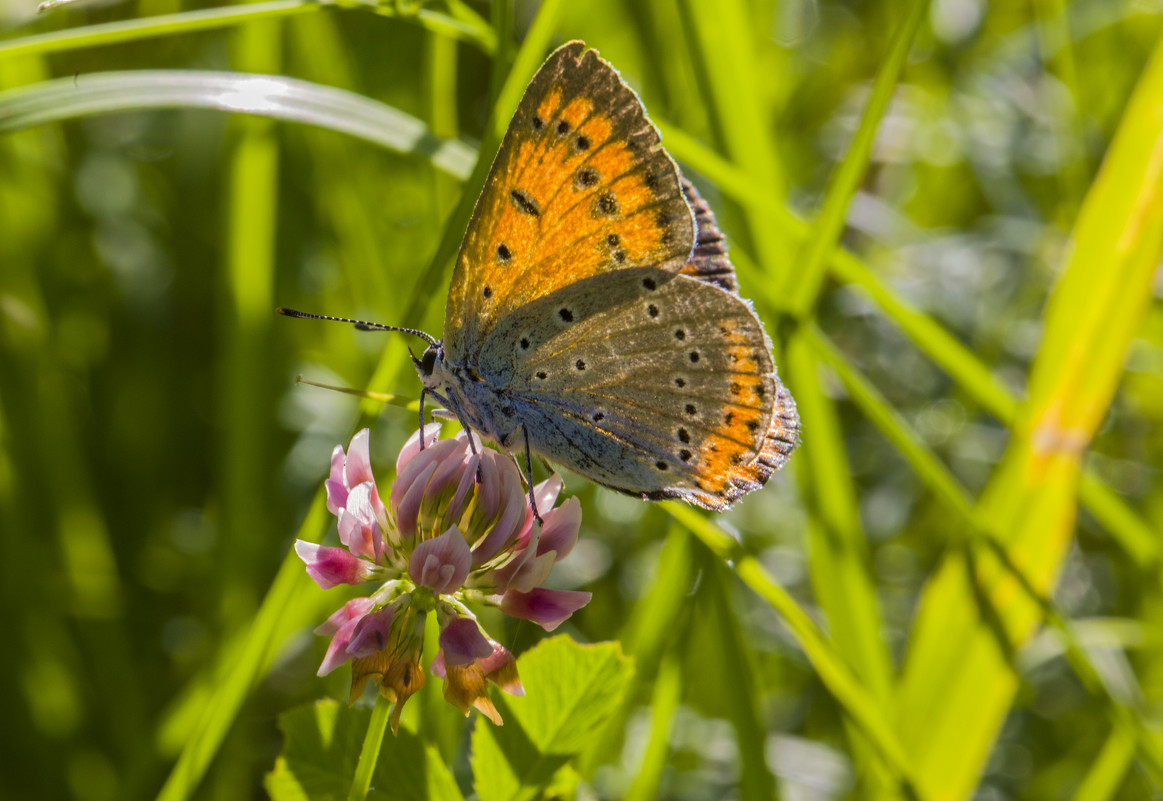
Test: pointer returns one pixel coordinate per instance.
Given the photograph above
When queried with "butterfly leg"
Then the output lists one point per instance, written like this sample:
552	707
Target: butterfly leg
423	391
529	476
449	404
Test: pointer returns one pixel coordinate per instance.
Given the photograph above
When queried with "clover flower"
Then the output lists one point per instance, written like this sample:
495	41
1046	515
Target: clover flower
457	528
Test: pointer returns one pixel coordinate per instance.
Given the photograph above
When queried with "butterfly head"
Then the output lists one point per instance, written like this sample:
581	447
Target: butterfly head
429	364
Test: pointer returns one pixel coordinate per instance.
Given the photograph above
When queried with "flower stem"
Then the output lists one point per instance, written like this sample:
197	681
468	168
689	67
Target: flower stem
370	753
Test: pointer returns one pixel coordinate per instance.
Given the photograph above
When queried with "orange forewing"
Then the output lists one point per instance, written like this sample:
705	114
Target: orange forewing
580	185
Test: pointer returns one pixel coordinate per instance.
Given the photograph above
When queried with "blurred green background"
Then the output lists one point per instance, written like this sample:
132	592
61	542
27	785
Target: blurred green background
157	456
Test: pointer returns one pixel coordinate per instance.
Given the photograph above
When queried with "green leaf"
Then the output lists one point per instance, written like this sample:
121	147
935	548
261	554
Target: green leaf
569	691
322	742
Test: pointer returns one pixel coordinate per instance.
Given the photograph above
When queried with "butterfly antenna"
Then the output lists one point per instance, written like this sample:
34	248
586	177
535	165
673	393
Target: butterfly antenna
362	325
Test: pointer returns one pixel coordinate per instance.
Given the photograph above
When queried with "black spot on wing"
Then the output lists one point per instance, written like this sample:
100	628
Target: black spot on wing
525	202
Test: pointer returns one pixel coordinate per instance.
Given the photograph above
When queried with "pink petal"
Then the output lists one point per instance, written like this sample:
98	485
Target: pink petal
359	528
561	528
437	667
338	457
332	566
467	482
526	569
441	564
358	467
462	643
412	496
337	654
504	532
532	574
495	667
420	464
336	489
371	633
546	494
336	651
412	446
547	608
442	486
353	609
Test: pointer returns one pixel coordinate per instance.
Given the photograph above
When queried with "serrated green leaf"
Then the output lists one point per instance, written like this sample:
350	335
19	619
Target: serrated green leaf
322	743
569	691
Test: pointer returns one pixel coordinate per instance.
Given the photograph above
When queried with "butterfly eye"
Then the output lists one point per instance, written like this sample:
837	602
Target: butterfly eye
684	436
685	455
582	143
680	335
652	310
428	362
537	123
562	128
565	314
503	252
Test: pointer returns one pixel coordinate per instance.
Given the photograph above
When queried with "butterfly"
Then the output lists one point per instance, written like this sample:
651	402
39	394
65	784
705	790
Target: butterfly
593	316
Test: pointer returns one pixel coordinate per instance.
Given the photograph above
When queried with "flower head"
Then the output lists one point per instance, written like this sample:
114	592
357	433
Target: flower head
457	529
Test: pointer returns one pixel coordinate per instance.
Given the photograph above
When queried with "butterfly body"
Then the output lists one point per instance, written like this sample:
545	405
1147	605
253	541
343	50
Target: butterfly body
593	315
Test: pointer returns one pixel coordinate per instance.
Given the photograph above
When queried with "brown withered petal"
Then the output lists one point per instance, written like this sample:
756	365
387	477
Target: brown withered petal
466	687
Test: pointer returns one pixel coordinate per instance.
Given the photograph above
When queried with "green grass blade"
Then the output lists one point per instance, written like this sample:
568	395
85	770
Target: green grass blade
840	560
280	98
734	666
721	39
894	428
854	698
957	687
803	285
288	604
1136	537
985	536
665	698
1107	771
840	563
111	33
655	623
